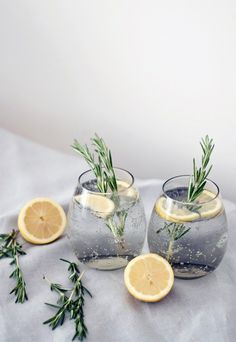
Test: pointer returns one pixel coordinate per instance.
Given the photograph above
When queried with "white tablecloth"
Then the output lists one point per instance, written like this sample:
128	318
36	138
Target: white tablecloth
196	310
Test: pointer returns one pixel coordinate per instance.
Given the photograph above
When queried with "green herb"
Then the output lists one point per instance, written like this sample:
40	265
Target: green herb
102	165
175	231
105	160
198	180
10	248
70	302
117	229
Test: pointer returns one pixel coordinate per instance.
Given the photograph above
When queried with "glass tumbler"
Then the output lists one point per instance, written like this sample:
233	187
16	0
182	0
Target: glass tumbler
106	230
191	236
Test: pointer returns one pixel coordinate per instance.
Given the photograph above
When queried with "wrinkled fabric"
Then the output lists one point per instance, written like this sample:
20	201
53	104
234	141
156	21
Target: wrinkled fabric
198	310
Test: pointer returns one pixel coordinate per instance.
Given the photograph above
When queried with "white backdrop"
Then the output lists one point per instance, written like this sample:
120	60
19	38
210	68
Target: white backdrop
150	76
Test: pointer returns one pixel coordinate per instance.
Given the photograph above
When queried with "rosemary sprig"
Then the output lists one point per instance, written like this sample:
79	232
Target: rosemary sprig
10	248
70	302
117	229
175	231
102	166
198	179
105	160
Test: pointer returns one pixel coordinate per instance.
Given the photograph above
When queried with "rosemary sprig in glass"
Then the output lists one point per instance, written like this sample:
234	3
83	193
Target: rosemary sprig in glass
196	186
198	180
103	170
10	248
70	302
105	162
117	229
175	231
102	166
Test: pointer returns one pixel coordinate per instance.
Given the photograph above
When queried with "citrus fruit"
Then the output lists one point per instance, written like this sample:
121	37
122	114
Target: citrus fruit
172	211
100	205
128	190
149	277
41	221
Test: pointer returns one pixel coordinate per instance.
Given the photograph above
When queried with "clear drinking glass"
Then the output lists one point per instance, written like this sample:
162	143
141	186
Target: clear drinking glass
191	236
106	230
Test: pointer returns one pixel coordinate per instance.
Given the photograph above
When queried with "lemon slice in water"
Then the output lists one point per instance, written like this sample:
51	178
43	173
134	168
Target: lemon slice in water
128	190
170	210
100	205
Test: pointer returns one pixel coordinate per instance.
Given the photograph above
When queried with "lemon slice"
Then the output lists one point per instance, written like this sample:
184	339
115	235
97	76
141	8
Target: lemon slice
41	221
100	205
149	277
130	192
170	210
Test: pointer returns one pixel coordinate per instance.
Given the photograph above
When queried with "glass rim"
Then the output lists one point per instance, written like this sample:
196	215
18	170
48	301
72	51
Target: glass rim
110	192
189	203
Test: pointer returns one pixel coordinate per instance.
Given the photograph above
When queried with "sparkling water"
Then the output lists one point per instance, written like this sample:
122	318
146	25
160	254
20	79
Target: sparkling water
93	242
199	251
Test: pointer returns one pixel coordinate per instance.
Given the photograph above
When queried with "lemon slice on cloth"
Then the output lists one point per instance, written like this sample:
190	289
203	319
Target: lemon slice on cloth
149	277
41	221
170	210
100	205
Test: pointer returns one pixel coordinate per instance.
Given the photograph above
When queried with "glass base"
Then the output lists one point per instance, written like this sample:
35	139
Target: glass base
106	263
191	271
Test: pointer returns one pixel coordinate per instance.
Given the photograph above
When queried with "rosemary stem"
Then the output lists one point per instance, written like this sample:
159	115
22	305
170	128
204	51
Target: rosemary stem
170	250
47	280
75	286
58	291
17	261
